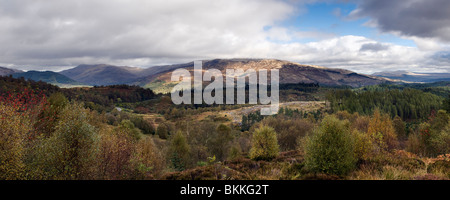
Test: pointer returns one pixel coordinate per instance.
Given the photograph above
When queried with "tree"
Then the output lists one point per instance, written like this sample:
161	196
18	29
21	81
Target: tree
49	117
407	103
288	130
400	127
433	138
446	104
441	141
179	151
70	153
330	149
147	160
264	144
220	142
144	125
116	150
382	131
14	127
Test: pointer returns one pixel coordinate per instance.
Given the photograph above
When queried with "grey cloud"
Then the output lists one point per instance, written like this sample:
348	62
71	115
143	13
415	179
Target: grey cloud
53	34
440	60
70	32
442	55
421	18
374	47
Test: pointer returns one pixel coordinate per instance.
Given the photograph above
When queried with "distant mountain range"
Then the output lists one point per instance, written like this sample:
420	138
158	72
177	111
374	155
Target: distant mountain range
102	74
157	78
49	77
7	71
414	77
289	73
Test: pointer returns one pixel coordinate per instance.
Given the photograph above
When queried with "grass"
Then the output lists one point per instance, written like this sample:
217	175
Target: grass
290	166
160	86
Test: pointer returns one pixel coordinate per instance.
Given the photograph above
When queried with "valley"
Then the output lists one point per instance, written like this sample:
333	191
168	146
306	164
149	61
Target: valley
387	129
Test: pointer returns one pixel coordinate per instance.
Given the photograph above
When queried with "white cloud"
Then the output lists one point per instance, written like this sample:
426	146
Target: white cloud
61	32
53	34
345	52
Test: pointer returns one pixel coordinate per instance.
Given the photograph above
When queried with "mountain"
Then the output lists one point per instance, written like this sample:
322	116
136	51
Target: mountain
414	77
157	78
103	74
289	73
48	77
7	71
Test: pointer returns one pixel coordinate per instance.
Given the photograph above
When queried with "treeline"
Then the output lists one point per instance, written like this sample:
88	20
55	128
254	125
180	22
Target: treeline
103	98
99	98
446	104
441	88
303	87
248	120
409	104
8	84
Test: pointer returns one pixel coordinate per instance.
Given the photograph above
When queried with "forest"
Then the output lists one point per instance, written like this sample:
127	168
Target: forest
120	132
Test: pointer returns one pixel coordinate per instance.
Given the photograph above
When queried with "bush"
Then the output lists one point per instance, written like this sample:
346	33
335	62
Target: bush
145	126
235	152
162	131
288	130
129	127
440	167
330	149
264	144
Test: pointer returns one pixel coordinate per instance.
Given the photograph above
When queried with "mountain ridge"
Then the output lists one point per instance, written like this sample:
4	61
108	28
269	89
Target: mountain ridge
7	71
414	76
101	74
290	72
158	77
48	77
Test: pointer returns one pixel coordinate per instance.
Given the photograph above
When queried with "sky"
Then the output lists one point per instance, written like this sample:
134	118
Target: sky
365	36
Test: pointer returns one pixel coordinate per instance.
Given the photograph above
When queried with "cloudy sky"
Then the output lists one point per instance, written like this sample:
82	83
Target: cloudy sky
365	36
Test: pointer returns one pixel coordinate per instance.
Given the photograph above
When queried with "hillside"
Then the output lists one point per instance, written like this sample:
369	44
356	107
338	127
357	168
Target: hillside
7	71
48	77
414	77
155	139
158	77
289	73
102	74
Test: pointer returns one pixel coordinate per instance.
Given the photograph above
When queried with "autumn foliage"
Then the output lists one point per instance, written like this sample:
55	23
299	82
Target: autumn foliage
48	133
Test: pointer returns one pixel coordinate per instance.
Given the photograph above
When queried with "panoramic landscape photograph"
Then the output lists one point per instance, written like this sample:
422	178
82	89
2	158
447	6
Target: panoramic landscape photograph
225	90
